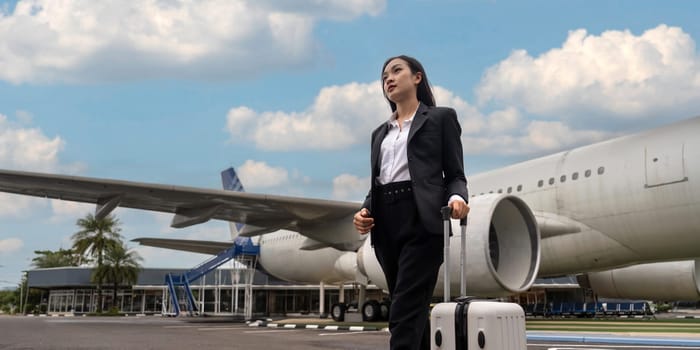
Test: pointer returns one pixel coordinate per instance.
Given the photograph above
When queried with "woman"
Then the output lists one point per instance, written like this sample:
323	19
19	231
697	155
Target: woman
417	168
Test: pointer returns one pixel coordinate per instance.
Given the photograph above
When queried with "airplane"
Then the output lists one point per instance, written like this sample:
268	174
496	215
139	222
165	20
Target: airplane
614	212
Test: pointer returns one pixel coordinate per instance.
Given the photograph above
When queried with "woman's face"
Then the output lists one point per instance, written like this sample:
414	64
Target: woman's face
398	81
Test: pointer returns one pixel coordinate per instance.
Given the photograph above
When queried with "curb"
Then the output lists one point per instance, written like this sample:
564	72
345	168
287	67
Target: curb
315	326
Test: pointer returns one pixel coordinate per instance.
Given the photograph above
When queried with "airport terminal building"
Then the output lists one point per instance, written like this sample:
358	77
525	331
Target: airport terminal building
69	290
223	291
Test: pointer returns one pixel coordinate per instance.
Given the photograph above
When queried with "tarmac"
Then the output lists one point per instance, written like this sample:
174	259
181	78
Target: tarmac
154	332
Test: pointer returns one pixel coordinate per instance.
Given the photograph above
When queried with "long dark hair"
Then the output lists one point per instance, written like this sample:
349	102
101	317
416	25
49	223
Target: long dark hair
423	92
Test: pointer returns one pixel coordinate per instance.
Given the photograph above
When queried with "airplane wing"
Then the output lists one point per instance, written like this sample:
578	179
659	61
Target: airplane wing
190	206
194	246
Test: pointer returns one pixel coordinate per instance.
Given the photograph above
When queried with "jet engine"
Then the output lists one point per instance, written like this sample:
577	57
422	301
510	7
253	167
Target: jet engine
675	280
502	255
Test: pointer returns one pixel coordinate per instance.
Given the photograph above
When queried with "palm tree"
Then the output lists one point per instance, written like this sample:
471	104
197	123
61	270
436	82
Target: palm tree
120	266
58	258
93	239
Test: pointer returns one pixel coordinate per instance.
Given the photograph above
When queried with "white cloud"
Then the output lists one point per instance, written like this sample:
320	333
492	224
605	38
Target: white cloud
343	116
256	175
14	205
470	118
72	211
334	9
616	74
10	245
350	187
538	137
340	116
27	148
74	40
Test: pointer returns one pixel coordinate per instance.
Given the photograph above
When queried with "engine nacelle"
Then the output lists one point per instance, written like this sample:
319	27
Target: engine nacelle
503	249
675	280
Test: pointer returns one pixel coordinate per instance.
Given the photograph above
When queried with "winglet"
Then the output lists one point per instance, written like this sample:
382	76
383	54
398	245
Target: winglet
231	182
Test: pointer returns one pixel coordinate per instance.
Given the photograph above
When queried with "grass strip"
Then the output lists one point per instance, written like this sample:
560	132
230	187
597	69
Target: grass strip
616	330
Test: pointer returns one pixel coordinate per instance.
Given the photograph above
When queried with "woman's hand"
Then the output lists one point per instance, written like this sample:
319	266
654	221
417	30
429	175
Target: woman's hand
363	221
460	209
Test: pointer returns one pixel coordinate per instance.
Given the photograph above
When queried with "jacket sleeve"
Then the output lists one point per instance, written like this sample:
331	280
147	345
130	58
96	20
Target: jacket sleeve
452	156
368	201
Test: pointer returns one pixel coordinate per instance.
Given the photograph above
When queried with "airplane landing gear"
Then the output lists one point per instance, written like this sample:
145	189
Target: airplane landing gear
373	310
338	312
370	311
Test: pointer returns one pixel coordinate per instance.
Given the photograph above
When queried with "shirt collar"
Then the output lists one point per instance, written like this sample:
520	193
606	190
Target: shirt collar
392	119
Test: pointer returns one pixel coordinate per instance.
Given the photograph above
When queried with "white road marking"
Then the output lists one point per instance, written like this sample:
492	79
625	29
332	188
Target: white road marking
340	333
272	331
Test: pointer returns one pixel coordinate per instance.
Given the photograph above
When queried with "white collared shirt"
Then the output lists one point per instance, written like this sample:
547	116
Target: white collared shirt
393	156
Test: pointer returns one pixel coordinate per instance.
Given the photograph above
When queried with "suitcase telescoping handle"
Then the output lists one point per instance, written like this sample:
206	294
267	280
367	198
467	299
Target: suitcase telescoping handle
446	212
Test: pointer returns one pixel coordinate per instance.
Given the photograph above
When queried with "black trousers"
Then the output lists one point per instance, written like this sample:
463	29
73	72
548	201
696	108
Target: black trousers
410	258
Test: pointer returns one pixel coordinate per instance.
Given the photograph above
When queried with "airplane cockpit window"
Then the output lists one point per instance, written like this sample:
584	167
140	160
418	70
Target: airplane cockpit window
574	176
587	173
601	170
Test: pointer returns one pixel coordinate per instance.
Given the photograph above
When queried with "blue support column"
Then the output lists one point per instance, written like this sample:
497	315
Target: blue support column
173	295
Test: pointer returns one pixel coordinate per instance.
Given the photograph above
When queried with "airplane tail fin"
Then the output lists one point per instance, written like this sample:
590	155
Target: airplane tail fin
231	182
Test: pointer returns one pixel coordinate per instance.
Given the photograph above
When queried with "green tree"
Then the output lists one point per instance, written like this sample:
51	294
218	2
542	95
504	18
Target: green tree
61	257
121	266
8	301
94	238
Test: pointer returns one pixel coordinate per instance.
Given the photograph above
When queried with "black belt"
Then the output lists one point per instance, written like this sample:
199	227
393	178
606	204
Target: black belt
394	191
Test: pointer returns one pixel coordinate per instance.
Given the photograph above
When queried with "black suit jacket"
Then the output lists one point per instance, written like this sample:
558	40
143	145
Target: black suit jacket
435	162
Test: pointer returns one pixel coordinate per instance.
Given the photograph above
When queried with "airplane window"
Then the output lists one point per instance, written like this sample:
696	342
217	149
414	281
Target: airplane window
601	170
574	176
500	190
551	181
520	187
562	178
491	191
481	194
510	189
540	183
588	173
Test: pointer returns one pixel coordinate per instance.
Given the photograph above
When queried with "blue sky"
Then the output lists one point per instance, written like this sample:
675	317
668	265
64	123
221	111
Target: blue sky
287	92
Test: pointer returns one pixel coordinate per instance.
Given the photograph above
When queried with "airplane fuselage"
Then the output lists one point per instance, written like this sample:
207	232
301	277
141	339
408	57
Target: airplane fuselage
635	199
625	201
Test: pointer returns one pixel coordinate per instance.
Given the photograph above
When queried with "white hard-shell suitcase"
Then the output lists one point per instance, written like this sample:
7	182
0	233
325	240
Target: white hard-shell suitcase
469	323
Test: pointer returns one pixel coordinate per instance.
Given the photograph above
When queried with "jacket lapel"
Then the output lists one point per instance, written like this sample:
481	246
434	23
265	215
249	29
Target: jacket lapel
376	148
418	121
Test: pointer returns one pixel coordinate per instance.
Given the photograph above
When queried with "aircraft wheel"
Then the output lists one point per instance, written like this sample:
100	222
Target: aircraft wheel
384	307
338	312
370	311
